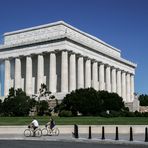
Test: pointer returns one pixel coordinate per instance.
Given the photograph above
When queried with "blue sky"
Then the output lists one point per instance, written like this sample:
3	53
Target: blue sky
121	23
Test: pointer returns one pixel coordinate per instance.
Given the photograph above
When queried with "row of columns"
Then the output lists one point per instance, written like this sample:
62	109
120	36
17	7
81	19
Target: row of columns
76	72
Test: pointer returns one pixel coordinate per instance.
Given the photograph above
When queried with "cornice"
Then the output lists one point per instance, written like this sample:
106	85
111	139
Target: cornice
67	26
2	48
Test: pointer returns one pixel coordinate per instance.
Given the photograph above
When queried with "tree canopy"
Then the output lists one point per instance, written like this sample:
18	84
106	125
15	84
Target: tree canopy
143	100
91	102
17	103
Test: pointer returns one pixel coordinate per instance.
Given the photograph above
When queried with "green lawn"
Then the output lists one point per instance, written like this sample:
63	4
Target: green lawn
77	120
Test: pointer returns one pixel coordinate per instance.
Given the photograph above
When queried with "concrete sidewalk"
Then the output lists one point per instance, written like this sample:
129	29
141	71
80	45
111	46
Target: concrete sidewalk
68	129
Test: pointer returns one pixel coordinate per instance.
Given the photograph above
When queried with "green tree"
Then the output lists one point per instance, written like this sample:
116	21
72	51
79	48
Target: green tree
91	102
43	107
17	103
111	101
85	101
143	100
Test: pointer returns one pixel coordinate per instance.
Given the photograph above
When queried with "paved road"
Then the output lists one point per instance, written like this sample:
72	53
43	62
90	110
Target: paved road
66	141
125	137
60	144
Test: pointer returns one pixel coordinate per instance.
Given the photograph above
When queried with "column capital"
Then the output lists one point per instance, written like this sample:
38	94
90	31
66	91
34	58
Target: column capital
71	52
100	63
52	52
113	67
118	69
6	58
10	58
18	57
86	58
56	50
41	54
45	52
129	72
21	56
29	55
79	55
107	65
123	71
93	60
64	50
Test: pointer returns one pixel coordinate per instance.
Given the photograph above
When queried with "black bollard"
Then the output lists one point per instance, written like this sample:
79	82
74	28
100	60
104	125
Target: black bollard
75	133
103	133
89	134
146	135
131	134
117	134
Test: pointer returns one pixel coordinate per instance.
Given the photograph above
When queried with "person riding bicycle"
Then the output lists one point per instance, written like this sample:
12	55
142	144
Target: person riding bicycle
34	124
51	123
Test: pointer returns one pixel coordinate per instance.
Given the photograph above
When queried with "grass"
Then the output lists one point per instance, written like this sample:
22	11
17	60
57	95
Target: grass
76	120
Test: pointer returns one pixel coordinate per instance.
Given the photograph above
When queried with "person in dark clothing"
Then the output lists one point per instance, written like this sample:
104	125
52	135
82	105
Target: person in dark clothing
51	123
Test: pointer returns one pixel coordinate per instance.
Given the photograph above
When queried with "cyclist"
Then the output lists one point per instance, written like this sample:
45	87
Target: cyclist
51	123
34	124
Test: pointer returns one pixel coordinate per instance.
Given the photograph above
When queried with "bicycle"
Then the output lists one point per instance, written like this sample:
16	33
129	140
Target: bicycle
50	132
30	132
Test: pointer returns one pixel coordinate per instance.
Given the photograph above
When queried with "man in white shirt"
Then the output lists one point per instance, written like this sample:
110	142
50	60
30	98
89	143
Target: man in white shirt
35	124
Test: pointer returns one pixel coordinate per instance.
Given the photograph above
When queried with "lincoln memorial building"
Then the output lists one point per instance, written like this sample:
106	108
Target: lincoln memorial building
64	58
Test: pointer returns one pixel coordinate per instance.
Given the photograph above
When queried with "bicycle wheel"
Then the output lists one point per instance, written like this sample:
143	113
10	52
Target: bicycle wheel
56	131
38	133
44	132
50	132
27	133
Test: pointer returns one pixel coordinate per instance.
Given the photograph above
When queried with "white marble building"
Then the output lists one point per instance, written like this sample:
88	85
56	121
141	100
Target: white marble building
65	59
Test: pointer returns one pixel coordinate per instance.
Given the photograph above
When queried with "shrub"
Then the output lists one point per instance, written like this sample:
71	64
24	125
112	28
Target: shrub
145	114
138	114
129	114
143	100
43	108
17	103
65	113
91	102
84	101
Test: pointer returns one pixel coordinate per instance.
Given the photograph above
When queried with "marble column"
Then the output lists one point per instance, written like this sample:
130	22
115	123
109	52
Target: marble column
80	72
128	85
29	75
40	71
64	71
132	87
119	82
17	74
7	77
101	76
114	80
108	78
72	72
87	73
95	75
123	86
52	73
